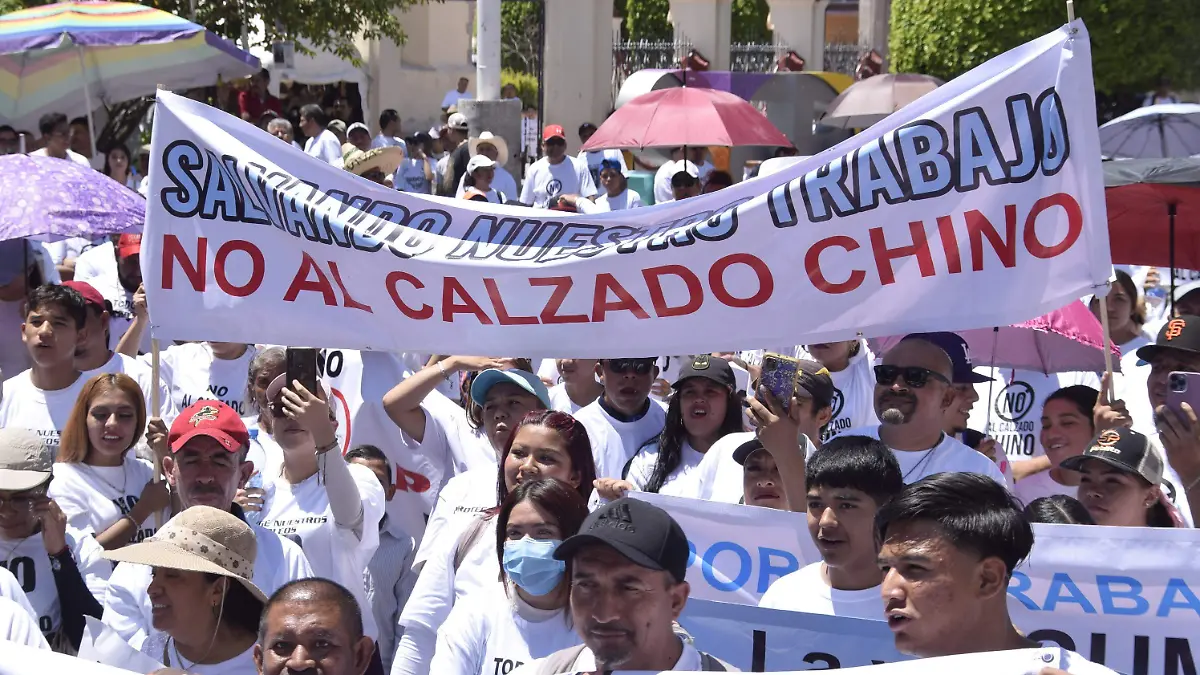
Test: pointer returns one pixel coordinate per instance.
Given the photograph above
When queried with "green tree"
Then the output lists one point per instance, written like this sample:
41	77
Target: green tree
647	20
748	21
520	35
1134	42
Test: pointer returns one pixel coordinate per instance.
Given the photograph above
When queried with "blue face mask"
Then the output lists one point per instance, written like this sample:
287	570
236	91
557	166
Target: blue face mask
531	565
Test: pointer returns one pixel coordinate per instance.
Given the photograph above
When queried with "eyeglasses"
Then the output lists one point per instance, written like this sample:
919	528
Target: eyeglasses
24	501
914	376
623	366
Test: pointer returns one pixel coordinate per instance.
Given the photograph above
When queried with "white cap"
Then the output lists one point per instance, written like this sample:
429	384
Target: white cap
358	125
457	121
479	162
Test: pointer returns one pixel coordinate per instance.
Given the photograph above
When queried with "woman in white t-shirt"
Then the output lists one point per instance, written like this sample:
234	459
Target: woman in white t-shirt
100	485
116	167
544	444
478	181
704	407
194	371
1067	431
849	363
330	508
493	633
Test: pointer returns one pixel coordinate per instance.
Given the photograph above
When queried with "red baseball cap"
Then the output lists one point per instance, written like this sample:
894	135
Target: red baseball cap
209	418
129	244
90	295
553	131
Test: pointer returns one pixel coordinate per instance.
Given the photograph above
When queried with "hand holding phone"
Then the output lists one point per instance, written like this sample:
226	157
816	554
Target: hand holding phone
779	375
301	364
1183	387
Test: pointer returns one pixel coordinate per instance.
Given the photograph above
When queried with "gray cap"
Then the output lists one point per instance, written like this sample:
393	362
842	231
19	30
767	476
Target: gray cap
25	461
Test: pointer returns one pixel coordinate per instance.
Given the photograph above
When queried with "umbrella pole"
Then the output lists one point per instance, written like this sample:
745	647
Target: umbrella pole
987	423
1171	211
1108	366
87	98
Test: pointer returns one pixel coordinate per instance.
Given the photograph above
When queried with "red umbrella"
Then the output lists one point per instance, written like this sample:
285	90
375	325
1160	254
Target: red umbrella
685	116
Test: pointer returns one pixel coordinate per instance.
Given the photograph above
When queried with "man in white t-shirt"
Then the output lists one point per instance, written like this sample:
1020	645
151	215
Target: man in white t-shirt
595	157
389	130
913	390
625	409
321	143
555	174
627	549
662	177
41	399
56	139
950	544
457	94
848	479
204	461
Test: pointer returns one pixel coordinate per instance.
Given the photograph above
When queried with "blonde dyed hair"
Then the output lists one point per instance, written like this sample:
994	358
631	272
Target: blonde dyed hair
75	444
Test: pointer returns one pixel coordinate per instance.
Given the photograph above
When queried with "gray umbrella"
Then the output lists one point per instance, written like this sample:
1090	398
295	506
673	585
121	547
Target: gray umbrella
867	101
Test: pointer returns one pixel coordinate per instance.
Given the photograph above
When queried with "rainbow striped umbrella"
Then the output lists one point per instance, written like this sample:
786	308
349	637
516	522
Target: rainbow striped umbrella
67	56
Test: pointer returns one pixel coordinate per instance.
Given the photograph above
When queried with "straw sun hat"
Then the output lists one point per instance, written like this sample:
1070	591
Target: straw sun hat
386	160
199	539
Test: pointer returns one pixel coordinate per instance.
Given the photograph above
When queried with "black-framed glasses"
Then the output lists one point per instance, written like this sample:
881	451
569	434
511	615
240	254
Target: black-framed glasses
914	376
623	366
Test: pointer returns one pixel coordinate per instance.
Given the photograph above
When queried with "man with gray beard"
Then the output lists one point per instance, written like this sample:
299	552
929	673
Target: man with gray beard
913	391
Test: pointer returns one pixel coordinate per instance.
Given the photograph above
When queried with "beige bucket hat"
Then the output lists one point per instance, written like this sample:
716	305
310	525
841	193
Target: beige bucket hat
199	539
25	461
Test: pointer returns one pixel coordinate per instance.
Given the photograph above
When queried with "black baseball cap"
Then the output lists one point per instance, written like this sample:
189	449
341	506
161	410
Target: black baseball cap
1180	334
709	367
640	531
959	352
749	445
813	379
1124	449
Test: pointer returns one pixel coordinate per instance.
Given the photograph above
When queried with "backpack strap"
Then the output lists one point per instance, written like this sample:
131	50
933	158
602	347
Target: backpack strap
560	661
469	538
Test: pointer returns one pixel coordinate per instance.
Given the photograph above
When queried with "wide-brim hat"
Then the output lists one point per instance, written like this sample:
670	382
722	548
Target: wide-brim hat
200	539
386	160
489	137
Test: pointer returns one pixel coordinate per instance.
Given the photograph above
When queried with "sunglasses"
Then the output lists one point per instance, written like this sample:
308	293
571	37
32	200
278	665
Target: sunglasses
914	376
555	141
623	366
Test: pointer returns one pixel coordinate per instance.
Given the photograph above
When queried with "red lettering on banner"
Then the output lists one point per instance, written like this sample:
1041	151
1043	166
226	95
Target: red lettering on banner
884	255
301	282
450	290
562	286
173	252
653	278
347	301
502	315
716	281
410	481
812	265
601	306
258	268
425	312
949	244
979	226
1074	225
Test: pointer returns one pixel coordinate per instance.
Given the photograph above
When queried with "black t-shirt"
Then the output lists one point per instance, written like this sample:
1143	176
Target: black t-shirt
458	163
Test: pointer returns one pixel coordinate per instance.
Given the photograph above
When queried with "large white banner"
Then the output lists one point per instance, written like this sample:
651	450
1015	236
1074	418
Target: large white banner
981	204
1122	596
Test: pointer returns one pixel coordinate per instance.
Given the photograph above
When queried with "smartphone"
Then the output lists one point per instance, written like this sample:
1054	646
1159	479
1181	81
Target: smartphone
779	377
302	366
1183	388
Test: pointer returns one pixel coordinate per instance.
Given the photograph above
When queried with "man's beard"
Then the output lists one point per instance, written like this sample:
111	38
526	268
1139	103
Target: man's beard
129	284
892	416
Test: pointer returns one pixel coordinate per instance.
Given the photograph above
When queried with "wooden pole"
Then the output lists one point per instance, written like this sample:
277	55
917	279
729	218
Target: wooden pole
1108	362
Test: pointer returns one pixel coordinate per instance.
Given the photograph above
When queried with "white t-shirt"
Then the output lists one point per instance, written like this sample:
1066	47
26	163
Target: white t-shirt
66	249
610	461
71	155
127	605
95	497
30	564
1041	484
301	513
10	589
385	141
43	412
545	181
628	199
453	96
158	648
1131	385
805	590
853	402
689	661
143	374
325	147
1015	407
17	626
560	401
98	267
641	469
465	496
193	373
948	455
410	175
662	183
595	157
495	634
450	445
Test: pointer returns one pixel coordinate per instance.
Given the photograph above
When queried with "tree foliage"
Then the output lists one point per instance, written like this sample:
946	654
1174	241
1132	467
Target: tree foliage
647	20
1134	42
520	35
748	21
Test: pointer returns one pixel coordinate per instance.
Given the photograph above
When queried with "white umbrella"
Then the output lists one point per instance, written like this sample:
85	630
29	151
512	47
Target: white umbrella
1153	132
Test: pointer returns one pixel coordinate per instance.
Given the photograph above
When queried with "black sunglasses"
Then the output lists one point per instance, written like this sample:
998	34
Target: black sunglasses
622	366
914	376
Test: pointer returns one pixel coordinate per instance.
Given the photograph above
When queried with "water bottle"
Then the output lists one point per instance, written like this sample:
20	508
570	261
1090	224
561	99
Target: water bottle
256	481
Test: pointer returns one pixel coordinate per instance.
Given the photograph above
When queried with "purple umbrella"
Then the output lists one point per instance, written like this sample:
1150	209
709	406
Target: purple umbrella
49	199
1065	340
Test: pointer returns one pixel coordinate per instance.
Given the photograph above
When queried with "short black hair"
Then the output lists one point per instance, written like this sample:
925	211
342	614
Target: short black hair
718	177
972	511
1058	509
369	453
586	126
79	121
316	113
1083	396
5	127
64	297
857	463
50	121
314	589
387	117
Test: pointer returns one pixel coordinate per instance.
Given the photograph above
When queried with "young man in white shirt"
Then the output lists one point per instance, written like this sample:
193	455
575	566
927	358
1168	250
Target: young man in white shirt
114	269
950	543
41	398
595	157
457	94
321	143
389	130
555	174
204	459
625	409
56	139
848	480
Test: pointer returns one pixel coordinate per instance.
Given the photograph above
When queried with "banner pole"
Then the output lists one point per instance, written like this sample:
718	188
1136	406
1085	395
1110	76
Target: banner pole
1108	366
156	409
1070	11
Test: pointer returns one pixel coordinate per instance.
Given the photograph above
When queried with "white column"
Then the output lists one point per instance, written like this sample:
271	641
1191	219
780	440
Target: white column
487	47
874	17
578	71
800	26
706	24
